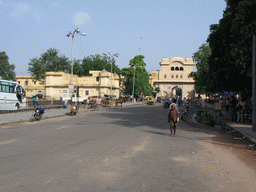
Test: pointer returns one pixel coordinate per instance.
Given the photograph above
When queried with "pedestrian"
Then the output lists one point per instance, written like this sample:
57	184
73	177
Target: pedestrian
233	104
179	101
185	101
227	104
240	111
222	103
173	118
34	101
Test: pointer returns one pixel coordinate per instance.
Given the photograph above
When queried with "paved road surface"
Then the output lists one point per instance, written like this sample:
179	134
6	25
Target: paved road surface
119	149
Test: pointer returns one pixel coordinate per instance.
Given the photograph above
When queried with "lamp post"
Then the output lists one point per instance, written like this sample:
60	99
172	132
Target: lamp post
111	58
76	31
133	84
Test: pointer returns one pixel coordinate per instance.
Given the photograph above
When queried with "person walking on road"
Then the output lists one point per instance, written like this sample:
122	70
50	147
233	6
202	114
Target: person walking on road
173	118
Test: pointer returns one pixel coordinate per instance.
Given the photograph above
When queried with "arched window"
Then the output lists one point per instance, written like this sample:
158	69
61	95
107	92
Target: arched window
181	68
177	68
172	68
177	76
172	76
165	76
181	76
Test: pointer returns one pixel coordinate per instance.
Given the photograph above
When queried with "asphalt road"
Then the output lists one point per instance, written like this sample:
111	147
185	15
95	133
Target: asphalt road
118	149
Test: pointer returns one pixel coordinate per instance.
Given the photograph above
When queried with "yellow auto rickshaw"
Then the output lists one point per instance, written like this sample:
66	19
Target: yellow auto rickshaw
150	101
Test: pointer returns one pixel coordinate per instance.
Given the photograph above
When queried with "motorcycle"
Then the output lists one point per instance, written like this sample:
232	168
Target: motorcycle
184	114
37	115
166	105
73	110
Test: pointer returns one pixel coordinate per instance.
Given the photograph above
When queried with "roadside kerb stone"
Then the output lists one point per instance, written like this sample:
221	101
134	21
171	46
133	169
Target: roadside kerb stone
23	115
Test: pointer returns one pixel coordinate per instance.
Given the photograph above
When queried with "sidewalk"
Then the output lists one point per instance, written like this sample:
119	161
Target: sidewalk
51	111
244	128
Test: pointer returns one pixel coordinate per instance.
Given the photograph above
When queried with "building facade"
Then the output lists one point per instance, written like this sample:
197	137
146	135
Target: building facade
56	85
32	87
174	77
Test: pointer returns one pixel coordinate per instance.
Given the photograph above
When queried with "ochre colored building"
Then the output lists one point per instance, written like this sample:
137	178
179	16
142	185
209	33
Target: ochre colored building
32	87
174	74
56	84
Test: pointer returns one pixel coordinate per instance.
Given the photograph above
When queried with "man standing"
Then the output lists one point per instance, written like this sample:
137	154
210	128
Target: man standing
233	104
185	101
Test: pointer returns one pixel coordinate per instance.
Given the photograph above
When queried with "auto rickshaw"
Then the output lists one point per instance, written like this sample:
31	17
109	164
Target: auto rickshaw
150	101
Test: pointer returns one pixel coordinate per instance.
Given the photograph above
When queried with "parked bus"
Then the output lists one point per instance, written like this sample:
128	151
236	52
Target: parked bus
11	95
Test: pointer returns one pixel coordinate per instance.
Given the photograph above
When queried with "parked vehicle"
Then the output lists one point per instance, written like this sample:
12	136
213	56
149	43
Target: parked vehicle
159	99
11	95
92	103
184	114
73	110
150	101
37	115
166	104
109	100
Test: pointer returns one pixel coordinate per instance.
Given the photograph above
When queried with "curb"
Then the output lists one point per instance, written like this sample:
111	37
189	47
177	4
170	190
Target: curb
27	120
30	109
246	135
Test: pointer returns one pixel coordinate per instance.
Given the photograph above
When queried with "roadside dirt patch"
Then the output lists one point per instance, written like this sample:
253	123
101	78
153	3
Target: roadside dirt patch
232	141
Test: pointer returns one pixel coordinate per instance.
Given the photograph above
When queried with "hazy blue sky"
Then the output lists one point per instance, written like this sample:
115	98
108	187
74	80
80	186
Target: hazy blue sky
155	29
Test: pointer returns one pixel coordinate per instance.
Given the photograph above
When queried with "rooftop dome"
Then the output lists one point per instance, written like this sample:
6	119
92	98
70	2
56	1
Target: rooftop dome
182	60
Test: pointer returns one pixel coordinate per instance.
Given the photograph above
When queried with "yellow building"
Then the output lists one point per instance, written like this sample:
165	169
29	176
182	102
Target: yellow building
56	84
31	86
174	74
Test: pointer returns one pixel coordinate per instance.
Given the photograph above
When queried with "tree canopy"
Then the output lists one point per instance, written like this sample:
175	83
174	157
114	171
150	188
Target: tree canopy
6	69
97	62
141	83
203	77
49	61
231	46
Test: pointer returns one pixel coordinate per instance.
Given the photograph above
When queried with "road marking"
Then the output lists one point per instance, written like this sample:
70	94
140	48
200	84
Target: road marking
63	127
8	142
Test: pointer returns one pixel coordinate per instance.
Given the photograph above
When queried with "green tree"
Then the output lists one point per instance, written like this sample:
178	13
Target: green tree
231	45
98	62
6	69
203	77
141	84
49	61
157	90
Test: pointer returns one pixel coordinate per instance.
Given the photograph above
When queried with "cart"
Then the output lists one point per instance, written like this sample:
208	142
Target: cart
109	101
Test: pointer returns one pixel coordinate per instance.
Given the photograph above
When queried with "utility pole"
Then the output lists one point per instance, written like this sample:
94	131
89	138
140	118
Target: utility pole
253	85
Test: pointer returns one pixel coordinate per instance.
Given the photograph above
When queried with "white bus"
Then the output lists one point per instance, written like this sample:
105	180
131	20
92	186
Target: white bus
11	94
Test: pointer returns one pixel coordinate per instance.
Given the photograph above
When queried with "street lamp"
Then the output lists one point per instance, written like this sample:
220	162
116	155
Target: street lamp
111	58
76	31
133	83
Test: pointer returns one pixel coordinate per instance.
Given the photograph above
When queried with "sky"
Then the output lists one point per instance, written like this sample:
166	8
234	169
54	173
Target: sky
156	29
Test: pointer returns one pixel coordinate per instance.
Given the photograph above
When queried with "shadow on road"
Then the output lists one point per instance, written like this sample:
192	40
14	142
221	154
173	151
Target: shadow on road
155	117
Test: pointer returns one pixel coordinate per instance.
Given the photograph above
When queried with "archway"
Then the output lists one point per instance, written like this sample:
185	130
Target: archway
176	92
164	94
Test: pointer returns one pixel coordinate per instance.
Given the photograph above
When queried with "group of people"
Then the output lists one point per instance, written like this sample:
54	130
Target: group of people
177	99
237	108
